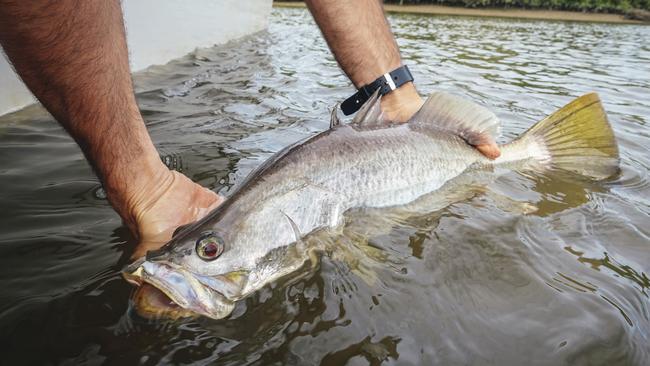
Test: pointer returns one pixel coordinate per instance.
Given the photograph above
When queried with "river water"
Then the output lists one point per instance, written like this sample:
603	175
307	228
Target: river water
476	283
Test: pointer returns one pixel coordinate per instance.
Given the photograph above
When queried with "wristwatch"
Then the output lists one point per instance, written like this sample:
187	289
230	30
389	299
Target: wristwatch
386	84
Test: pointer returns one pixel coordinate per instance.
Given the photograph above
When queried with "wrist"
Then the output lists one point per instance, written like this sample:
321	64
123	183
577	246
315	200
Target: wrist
132	182
130	188
402	103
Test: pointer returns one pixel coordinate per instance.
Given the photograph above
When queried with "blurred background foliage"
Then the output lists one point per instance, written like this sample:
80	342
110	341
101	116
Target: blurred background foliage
613	6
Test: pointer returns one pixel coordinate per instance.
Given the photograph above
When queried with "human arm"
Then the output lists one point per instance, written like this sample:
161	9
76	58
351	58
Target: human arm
73	56
359	35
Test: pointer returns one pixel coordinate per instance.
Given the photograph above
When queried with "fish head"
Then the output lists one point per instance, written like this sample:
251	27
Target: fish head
194	274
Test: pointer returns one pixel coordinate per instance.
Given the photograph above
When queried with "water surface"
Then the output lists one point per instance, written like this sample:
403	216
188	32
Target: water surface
476	283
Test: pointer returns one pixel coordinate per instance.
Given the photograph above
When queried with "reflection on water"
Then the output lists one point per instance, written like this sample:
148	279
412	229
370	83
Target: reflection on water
477	282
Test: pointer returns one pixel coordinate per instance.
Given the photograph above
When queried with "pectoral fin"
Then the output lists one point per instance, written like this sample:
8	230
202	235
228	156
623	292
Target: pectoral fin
301	246
294	227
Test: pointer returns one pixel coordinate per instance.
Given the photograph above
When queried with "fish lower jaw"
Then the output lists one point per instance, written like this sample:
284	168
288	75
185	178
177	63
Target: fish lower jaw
176	306
152	303
165	292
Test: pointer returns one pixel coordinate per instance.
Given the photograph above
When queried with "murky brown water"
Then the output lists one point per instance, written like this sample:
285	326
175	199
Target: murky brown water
473	284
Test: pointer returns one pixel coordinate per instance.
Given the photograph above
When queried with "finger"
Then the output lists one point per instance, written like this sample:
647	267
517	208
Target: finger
491	151
483	142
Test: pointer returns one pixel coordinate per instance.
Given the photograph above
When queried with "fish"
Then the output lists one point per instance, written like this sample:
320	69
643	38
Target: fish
259	234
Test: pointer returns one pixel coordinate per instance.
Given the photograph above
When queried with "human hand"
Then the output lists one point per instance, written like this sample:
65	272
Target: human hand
402	103
156	201
177	201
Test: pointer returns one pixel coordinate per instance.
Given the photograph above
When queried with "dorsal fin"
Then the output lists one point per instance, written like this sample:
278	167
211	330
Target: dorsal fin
370	113
335	120
474	123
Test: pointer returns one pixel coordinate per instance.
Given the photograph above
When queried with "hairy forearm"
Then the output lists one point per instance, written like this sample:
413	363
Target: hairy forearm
358	34
73	56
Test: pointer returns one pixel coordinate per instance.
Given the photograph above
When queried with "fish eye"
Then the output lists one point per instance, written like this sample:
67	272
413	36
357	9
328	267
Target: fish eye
209	246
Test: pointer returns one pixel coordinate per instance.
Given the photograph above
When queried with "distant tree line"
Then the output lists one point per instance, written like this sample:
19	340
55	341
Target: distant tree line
614	6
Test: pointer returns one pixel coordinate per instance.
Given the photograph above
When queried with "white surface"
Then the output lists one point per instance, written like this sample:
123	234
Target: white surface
161	30
13	94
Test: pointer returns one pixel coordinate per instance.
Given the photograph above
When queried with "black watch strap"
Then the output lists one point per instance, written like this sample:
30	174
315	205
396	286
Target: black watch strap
386	84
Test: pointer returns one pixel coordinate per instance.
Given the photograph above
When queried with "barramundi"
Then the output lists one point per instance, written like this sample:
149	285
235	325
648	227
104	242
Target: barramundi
258	234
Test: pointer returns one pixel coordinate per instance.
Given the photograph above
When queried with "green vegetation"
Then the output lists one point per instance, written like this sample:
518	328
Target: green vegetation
609	6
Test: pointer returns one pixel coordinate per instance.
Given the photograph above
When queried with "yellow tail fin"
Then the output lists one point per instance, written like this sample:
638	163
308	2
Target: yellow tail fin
578	138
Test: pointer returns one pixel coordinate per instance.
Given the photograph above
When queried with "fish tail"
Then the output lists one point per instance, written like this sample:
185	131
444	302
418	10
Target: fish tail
577	138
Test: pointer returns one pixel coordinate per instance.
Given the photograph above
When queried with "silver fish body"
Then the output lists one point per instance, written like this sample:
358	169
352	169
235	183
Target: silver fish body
314	183
304	188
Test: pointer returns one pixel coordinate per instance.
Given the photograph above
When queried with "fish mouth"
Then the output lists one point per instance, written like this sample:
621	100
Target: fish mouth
168	291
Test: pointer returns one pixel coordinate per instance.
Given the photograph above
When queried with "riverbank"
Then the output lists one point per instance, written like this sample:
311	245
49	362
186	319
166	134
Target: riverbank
496	13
